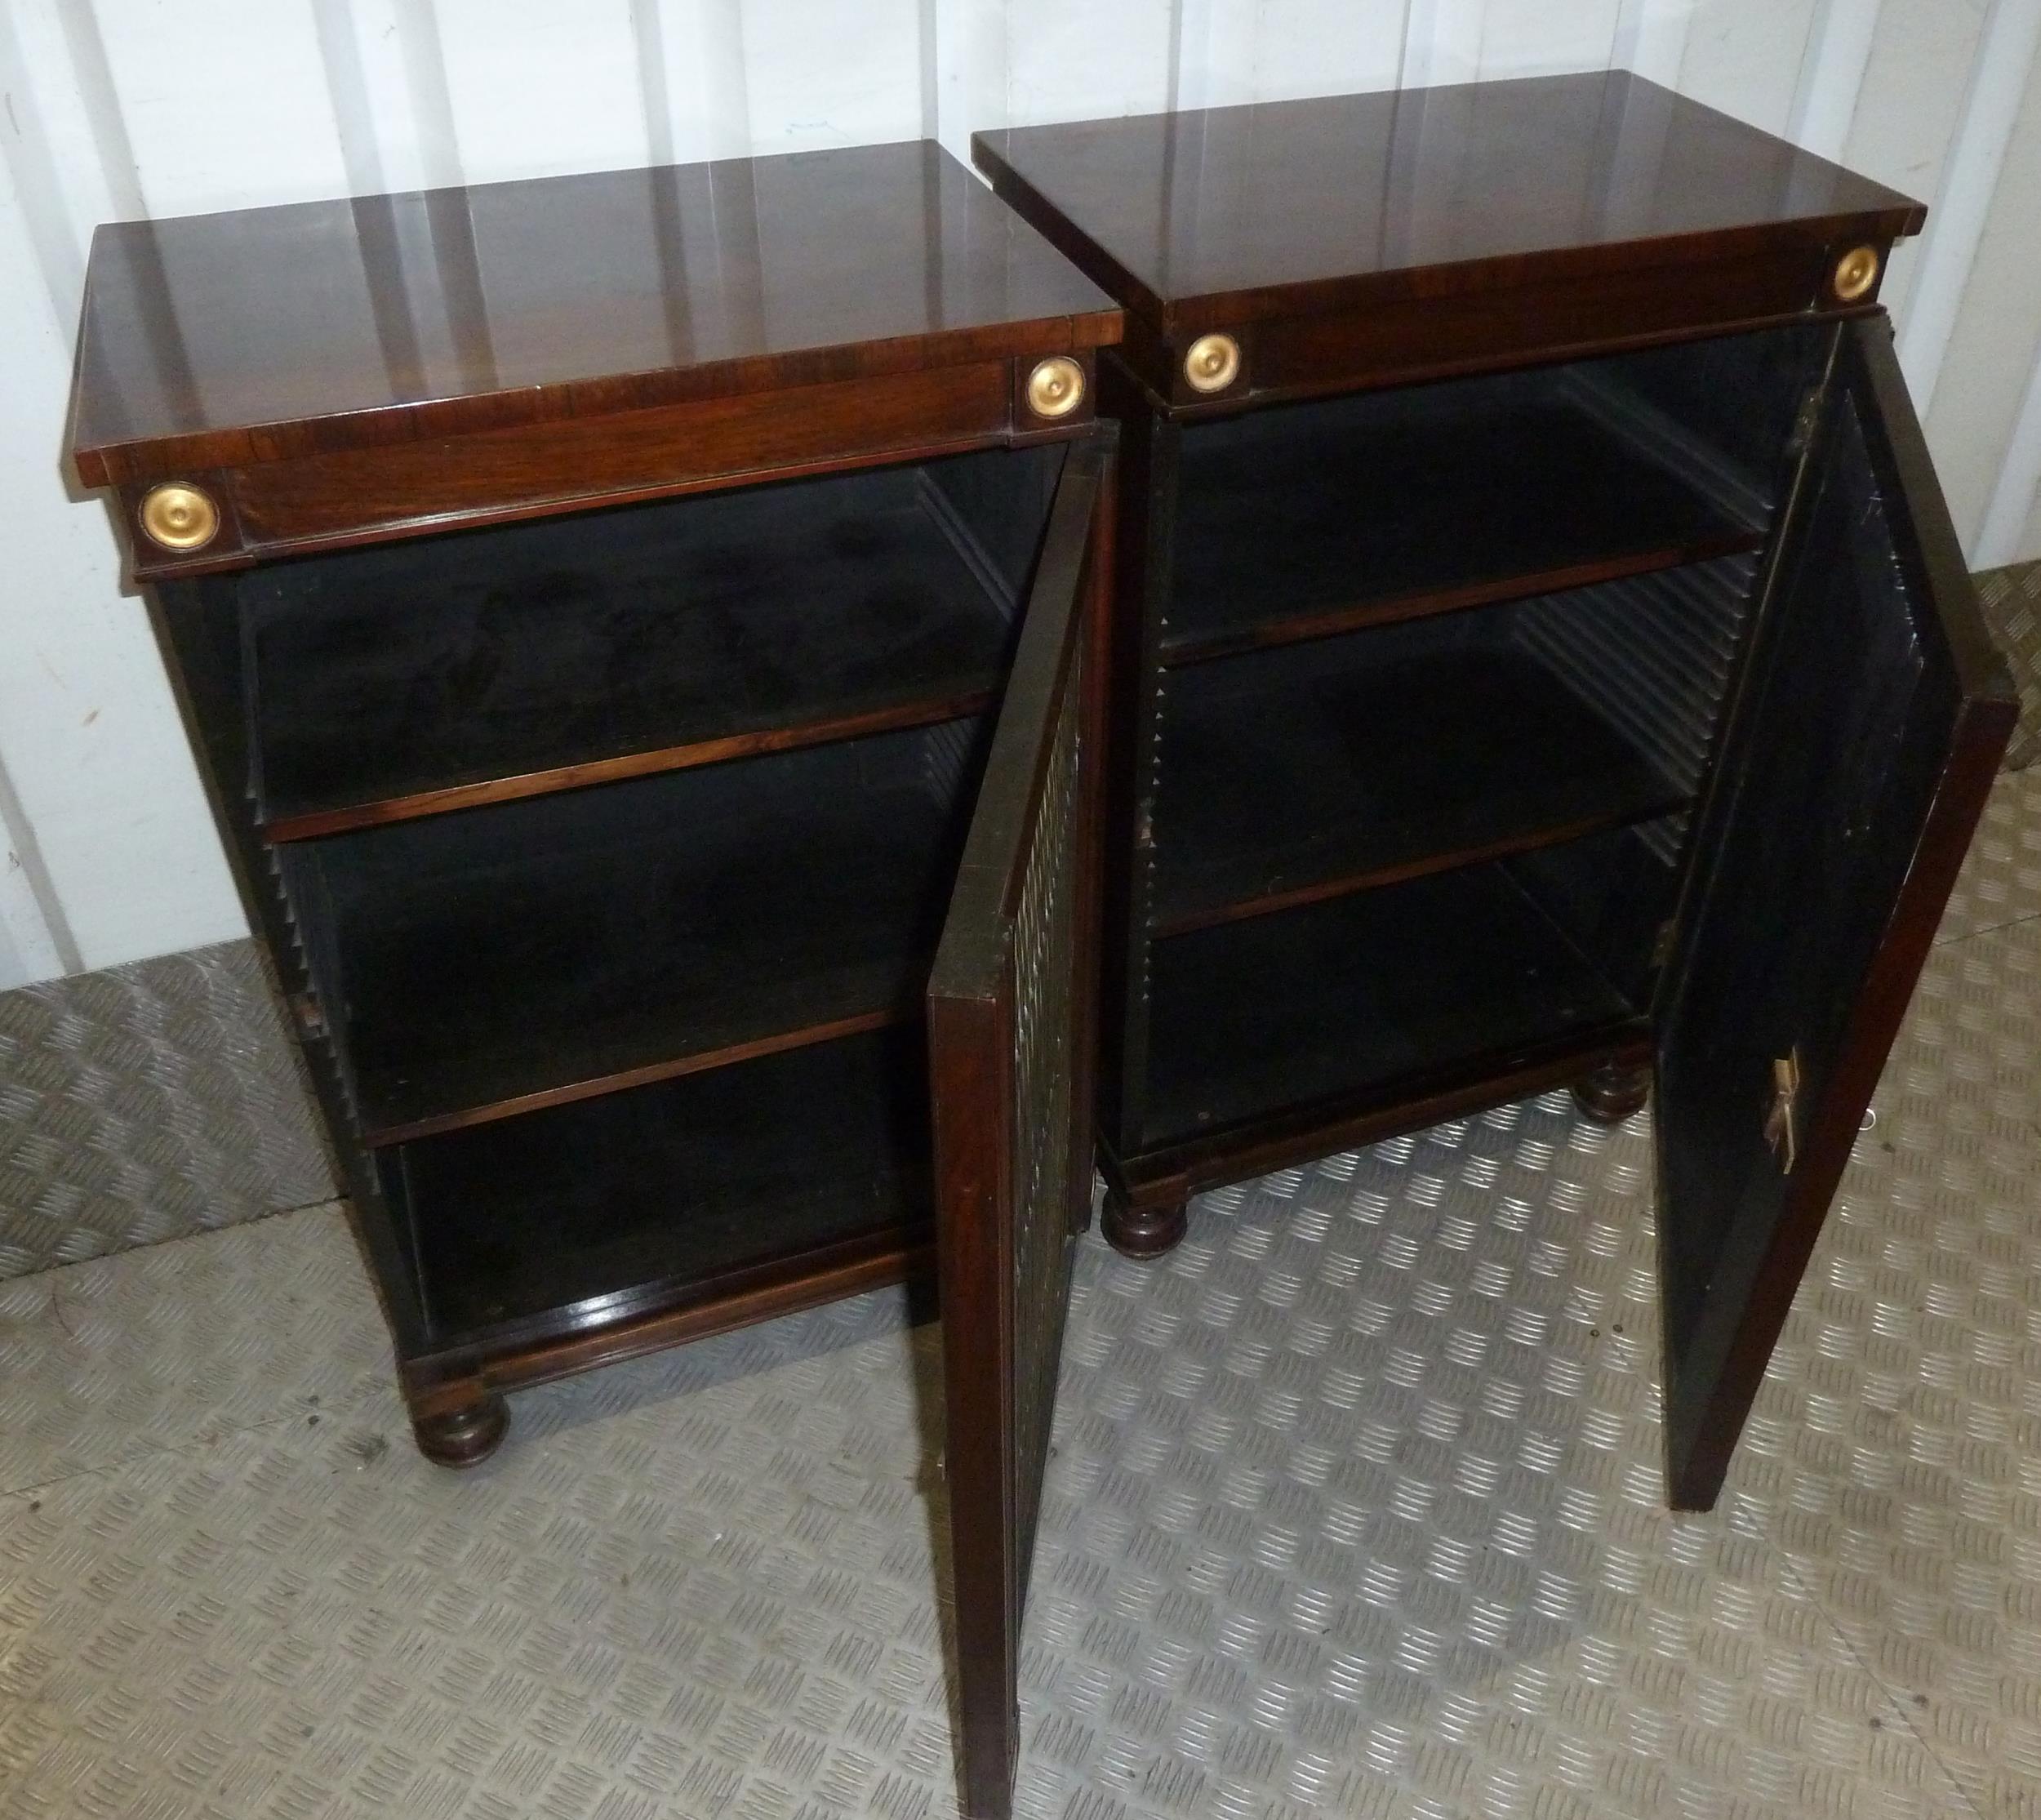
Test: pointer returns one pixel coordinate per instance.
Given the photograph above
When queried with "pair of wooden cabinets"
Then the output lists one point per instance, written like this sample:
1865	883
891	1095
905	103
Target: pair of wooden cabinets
719	756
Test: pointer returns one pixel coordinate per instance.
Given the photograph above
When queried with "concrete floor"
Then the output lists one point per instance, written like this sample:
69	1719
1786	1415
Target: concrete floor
1355	1509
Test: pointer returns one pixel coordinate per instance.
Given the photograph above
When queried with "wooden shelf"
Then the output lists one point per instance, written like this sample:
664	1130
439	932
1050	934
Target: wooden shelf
1290	775
1305	520
480	966
417	678
672	1195
1457	972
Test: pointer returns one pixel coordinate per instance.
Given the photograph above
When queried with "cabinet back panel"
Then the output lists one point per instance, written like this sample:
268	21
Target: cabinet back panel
584	1213
1376	991
1731	398
530	654
1610	895
472	965
1656	662
1337	783
1332	764
1297	520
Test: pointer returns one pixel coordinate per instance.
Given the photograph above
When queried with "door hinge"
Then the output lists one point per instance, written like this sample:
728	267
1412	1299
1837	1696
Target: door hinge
1805	422
1782	1117
310	1015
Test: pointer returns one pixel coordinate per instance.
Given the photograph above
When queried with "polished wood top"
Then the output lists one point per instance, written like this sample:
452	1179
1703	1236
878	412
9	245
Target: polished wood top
1228	215
266	333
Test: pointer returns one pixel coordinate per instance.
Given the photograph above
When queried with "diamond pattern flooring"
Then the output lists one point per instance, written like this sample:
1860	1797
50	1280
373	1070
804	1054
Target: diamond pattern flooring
2010	599
1354	1509
144	1102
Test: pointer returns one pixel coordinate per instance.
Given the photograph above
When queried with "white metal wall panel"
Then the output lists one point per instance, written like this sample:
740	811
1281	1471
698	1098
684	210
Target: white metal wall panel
1539	37
121	108
834	75
1075	59
204	134
1909	105
706	37
1744	56
2000	74
1651	37
1442	42
1308	47
1218	53
1840	34
1997	330
104	823
533	87
52	151
105	849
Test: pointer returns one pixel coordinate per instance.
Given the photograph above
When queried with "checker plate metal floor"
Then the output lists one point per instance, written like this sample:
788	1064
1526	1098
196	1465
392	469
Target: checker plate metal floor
1355	1509
146	1102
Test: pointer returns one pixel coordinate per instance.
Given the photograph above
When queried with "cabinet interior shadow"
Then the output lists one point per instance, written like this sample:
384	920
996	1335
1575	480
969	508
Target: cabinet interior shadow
472	965
545	654
1299	519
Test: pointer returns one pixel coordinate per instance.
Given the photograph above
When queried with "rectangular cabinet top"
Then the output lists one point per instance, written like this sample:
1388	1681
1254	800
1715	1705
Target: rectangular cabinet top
266	333
1197	218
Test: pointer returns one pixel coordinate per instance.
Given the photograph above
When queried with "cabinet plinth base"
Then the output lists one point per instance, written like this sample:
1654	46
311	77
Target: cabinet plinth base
466	1434
1613	1092
1144	1231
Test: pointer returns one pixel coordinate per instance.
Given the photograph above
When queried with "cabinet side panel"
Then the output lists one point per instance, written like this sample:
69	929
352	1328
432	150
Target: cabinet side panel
197	624
1145	493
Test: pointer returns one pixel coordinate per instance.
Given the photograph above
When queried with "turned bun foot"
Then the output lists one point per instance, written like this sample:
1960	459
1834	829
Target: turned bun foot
464	1435
1613	1093
1144	1231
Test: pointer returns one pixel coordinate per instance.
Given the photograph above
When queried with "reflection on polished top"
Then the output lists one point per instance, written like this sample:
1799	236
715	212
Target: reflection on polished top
272	331
1234	213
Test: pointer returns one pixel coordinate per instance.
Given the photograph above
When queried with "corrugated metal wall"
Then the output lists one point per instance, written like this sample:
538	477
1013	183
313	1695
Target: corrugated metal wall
125	108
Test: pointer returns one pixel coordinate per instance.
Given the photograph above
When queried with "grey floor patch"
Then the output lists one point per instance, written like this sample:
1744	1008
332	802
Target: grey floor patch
144	1102
1355	1508
2012	602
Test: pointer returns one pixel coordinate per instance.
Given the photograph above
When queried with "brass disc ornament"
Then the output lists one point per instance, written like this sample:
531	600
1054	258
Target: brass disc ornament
179	516
1213	364
1856	272
1056	387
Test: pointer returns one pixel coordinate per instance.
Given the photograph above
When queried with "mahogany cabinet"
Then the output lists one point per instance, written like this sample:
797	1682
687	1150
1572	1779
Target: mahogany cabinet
647	638
1543	656
641	632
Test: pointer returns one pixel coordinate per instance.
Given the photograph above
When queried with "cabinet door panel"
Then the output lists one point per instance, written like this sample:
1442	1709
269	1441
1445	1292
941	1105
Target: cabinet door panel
1011	1006
1874	722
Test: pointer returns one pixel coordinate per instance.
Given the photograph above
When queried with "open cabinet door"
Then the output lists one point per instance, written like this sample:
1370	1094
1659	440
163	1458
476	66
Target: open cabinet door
1011	1006
1861	754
